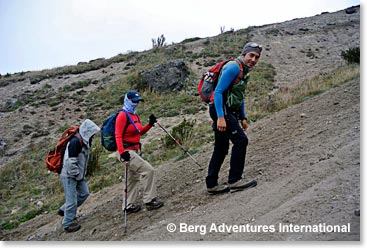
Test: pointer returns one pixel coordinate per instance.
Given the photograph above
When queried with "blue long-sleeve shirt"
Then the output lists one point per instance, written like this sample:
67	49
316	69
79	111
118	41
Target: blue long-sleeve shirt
229	72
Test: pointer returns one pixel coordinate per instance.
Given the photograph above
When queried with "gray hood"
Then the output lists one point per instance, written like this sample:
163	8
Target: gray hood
87	129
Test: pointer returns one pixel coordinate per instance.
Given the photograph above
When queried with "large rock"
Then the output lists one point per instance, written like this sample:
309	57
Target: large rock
164	78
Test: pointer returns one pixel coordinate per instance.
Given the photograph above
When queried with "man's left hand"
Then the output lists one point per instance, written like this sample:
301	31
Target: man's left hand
244	124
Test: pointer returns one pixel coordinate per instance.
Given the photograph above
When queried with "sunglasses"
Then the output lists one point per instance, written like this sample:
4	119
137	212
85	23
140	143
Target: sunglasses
255	45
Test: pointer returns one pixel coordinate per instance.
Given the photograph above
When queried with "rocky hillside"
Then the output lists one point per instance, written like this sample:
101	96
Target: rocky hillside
298	49
305	158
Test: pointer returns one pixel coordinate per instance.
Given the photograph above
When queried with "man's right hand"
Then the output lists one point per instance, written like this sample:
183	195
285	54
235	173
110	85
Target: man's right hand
125	156
221	124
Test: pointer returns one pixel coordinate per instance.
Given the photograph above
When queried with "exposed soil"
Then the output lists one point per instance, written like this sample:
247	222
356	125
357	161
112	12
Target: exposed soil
305	158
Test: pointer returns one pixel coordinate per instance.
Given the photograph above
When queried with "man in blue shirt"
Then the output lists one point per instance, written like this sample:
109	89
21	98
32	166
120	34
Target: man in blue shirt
226	112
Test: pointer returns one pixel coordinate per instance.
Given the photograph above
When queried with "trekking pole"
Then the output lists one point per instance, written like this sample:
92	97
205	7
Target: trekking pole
182	148
125	210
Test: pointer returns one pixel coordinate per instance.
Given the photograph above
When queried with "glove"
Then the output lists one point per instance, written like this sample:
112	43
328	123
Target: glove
152	120
125	156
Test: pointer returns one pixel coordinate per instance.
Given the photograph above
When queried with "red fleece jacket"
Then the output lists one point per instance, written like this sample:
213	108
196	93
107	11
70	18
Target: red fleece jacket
130	134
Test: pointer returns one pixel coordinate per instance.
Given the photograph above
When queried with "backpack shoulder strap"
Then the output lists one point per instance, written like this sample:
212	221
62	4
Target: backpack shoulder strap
240	73
239	63
75	146
79	138
129	120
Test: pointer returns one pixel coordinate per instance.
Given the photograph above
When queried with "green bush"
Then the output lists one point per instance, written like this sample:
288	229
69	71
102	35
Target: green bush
94	156
351	55
183	133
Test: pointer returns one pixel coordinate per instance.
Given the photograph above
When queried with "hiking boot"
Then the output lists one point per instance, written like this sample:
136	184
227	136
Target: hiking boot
219	189
60	212
134	208
154	204
241	185
73	227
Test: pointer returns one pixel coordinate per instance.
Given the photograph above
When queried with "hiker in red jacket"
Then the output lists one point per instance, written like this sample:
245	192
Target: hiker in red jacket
127	133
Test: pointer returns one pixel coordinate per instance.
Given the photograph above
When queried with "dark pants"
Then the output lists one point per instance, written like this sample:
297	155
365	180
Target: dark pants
236	135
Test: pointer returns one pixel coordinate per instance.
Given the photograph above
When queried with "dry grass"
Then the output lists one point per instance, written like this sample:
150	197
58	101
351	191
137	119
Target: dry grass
285	97
315	86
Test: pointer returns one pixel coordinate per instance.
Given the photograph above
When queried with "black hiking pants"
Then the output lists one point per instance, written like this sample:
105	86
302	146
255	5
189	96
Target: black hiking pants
237	136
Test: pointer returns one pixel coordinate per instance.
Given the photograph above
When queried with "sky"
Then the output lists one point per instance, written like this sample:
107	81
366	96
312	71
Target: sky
44	34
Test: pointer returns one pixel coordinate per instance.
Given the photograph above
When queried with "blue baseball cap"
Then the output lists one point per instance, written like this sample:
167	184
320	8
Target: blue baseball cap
133	95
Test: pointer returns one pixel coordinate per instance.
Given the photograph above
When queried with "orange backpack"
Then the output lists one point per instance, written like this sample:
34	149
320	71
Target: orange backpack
54	158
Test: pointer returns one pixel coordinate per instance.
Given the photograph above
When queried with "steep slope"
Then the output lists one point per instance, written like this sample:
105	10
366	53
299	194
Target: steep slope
307	163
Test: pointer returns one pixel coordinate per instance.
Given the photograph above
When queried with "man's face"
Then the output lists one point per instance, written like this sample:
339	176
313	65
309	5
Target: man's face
251	59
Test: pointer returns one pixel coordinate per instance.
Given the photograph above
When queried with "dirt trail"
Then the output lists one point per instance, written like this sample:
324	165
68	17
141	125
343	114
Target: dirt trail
307	162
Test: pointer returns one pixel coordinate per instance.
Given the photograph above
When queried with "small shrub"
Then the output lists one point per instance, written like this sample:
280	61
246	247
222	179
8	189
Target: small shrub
160	42
183	133
351	55
94	156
